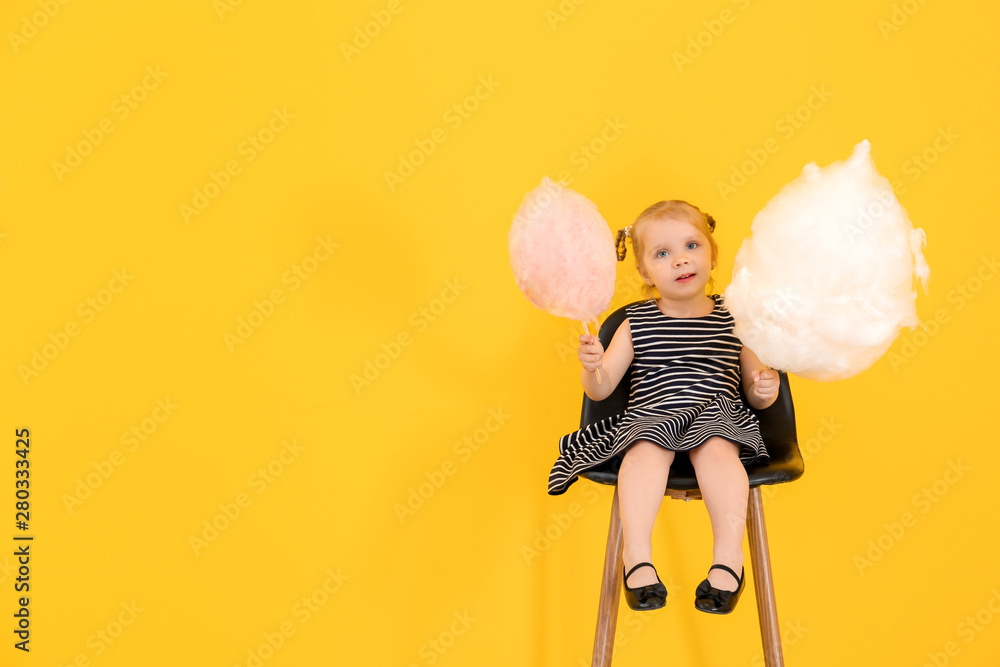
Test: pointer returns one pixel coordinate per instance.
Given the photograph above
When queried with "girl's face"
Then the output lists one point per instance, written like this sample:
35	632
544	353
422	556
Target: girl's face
676	258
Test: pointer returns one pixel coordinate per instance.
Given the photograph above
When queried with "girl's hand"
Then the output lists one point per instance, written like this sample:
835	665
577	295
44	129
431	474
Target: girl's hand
591	352
765	384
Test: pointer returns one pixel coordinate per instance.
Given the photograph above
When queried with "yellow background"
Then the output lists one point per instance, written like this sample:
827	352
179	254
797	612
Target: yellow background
418	293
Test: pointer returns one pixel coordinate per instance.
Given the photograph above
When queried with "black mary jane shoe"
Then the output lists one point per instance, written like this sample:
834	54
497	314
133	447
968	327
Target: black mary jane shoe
712	600
643	598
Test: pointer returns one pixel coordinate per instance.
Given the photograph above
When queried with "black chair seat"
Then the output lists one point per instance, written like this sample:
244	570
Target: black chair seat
777	471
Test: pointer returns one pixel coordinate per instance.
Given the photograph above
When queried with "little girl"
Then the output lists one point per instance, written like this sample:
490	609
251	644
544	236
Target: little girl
686	368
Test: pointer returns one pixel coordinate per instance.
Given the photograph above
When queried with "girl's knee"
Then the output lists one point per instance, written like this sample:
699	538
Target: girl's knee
718	451
648	451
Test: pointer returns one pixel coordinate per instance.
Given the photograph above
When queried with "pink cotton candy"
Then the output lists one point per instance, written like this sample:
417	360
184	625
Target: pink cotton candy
562	253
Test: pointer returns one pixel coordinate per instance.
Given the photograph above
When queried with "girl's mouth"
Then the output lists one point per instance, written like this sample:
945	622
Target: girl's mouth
685	278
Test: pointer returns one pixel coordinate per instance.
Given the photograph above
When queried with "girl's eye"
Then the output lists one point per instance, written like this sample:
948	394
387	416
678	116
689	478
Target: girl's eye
661	254
692	245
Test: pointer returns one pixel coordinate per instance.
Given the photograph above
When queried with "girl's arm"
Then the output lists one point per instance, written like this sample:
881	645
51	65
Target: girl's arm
612	363
760	383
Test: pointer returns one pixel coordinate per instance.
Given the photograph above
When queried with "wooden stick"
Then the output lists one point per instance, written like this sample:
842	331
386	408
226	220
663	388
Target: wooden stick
586	330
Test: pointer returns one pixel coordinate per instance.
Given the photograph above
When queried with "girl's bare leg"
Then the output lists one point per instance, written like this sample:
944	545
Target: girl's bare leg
642	481
725	488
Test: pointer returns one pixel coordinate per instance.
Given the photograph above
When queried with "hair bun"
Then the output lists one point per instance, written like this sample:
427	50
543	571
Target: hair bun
711	221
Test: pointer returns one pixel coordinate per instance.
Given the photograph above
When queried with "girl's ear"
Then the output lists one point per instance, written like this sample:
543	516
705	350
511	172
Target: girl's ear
642	272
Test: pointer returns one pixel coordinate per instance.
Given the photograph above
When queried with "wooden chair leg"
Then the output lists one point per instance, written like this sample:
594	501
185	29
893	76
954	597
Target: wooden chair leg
767	610
611	582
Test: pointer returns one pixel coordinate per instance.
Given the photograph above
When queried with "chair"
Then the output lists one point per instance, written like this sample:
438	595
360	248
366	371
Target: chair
777	424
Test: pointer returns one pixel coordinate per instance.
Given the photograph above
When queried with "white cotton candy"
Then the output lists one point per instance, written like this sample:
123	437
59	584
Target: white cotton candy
824	284
562	253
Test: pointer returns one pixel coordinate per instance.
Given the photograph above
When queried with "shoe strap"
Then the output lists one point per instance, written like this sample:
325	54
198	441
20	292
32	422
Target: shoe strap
637	567
720	566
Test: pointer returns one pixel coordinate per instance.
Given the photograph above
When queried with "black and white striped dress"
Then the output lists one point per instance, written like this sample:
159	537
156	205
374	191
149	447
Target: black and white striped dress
685	390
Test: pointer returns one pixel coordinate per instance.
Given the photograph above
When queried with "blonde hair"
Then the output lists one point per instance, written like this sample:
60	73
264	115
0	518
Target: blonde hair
673	209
